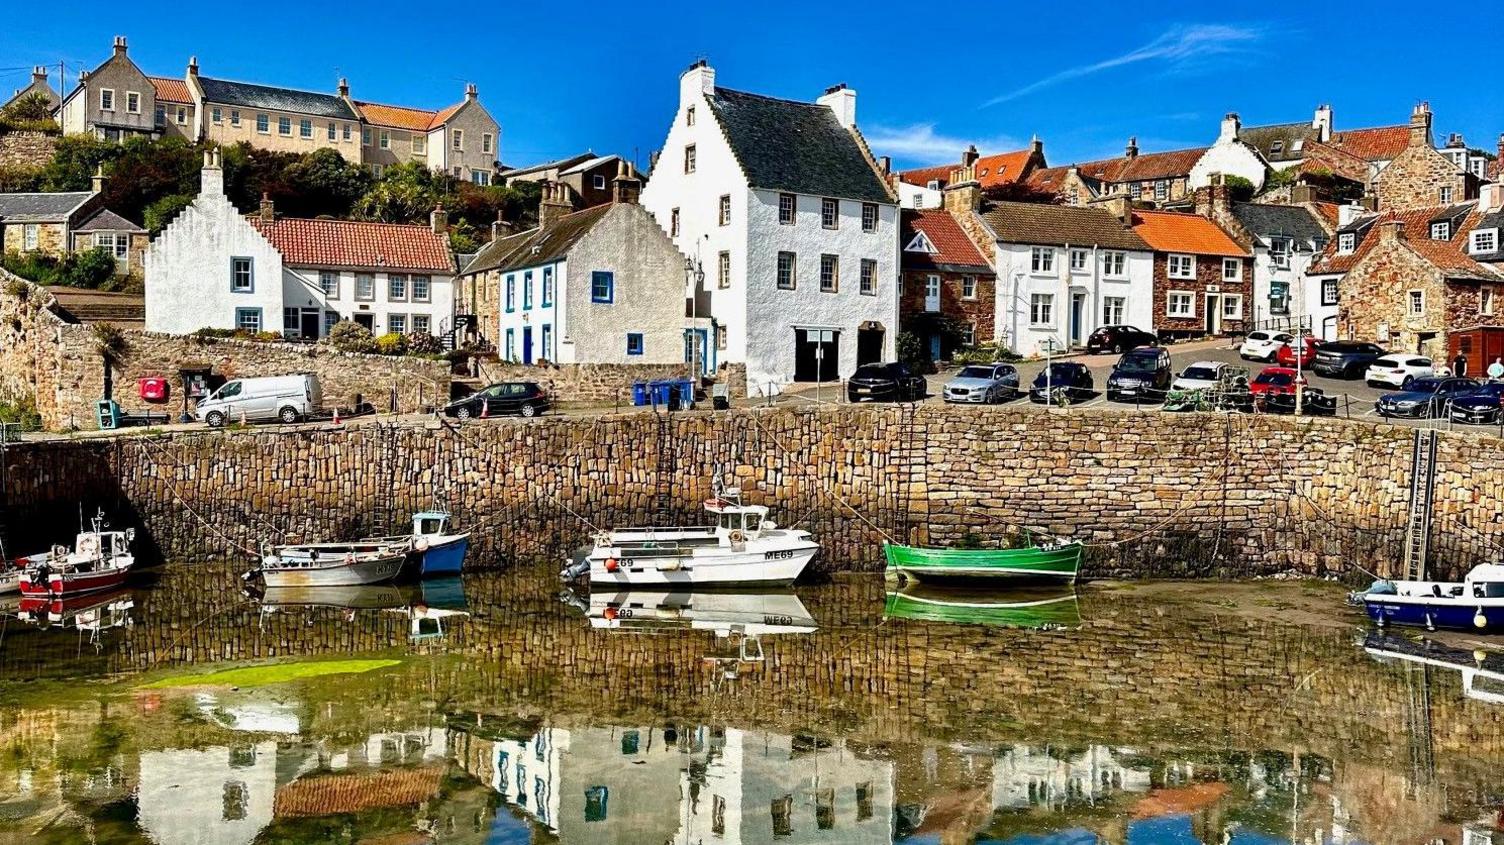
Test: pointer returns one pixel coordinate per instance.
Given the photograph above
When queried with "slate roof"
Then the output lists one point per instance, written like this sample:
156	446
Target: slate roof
567	161
170	90
1292	138
1446	255
1039	223
1266	220
1174	231
351	243
537	246
954	250
105	220
1379	143
588	164
254	96
39	207
1492	220
784	145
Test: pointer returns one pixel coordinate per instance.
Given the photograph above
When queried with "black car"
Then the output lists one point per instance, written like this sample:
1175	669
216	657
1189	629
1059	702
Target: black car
1480	407
1067	380
1424	398
1119	339
508	397
1140	374
890	382
1346	358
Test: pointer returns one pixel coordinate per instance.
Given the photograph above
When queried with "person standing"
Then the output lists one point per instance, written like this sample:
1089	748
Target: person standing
1496	370
1459	365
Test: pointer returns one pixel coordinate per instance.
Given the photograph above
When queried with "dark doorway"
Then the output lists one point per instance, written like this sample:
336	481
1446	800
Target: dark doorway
308	323
817	354
869	346
368	321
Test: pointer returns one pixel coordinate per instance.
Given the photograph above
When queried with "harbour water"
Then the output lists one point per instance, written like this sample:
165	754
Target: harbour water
501	709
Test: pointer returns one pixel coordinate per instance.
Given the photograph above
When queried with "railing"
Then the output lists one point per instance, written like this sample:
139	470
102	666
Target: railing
1284	324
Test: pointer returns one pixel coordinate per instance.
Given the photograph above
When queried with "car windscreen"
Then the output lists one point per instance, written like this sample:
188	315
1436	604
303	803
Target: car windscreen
1202	373
975	372
1425	385
1138	364
871	371
1280	379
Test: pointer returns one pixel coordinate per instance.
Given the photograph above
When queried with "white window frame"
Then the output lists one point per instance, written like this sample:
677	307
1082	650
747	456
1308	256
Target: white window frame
485	142
1078	260
830	213
1161	190
1042	310
1236	266
932	288
1184	296
369	280
384	140
1441	230
420	143
234	117
833	262
723	269
1412	297
1347	243
598	181
305	128
1232	306
331	292
1114	263
284	125
1486	300
427	294
689	116
1279	252
107	99
133	102
1476	237
1042	260
1186	265
216	115
1446	194
869	217
1113	309
968	287
690	159
31	234
723	211
867	277
793	270
394	330
792	202
182	115
457	140
1336	290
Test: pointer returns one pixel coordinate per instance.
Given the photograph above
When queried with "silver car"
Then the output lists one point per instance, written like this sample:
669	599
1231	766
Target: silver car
982	384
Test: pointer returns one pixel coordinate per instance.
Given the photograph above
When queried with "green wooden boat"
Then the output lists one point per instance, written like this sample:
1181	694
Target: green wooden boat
1057	562
1018	611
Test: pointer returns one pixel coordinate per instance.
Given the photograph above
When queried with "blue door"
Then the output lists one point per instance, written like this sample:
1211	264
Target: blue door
527	344
697	345
935	347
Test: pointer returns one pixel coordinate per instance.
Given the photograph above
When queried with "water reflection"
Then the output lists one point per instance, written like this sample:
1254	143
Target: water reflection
498	713
1036	608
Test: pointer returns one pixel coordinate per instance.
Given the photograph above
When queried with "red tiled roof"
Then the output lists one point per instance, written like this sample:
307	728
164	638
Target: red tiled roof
1379	143
444	115
1329	211
402	117
992	170
944	231
350	243
1446	255
1143	166
1174	231
170	90
326	795
1339	162
922	176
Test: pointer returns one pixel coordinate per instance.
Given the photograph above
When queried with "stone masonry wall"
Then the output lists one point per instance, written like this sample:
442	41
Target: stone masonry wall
26	150
1208	275
1376	292
1166	495
1415	180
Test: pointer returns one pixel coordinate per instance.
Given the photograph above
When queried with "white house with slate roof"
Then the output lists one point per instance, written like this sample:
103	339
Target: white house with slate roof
1286	239
783	210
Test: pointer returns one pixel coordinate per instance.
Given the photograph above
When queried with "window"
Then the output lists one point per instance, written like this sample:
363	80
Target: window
457	139
723	215
242	276
548	286
331	319
634	343
1134	191
30	234
396	323
115	244
830	213
377	170
1232	306
723	270
783	816
365	286
284	125
1180	303
786	205
1277	147
1279	252
216	115
487	143
1486	300
1042	259
1042	309
161	115
1113	309
602	286
1161	190
868	280
511	292
1347	242
133	102
918	201
365	137
689	159
1182	267
527	290
548	342
248	319
329	283
1484	240
869	217
689	116
106	99
333	131
720	337
673	223
421	324
1441	231
1232	270
1446	194
344	130
932	293
511	354
384	140
968	287
830	273
234	117
1113	263
305	128
786	278
1417	303
1328	291
1073	197
598	181
1078	261
396	287
968	334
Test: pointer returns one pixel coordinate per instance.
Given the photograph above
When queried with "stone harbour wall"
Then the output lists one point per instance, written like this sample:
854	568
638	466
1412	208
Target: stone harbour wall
26	150
1188	495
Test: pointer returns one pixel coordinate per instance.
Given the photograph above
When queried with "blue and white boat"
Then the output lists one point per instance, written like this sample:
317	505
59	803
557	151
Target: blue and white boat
1474	604
436	548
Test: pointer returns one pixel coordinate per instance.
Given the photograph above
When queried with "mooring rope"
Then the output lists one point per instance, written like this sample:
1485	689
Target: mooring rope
178	495
833	494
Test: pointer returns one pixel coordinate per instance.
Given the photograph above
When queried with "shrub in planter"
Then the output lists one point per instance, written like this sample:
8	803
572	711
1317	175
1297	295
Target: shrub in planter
424	343
350	336
392	344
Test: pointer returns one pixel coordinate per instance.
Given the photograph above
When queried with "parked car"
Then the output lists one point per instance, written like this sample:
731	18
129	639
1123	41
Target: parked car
286	398
1070	380
892	382
1484	406
1345	358
1424	398
1201	375
1141	374
1398	370
1119	339
983	383
1273	380
1313	402
1286	355
1262	345
507	397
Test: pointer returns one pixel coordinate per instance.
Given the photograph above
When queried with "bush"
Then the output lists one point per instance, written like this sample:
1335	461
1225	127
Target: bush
161	211
985	354
1239	189
30	113
91	269
423	343
23	411
392	344
350	336
911	350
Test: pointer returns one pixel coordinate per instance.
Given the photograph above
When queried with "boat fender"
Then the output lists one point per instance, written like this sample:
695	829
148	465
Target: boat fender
1479	620
421	545
612	565
349	557
609	614
738	536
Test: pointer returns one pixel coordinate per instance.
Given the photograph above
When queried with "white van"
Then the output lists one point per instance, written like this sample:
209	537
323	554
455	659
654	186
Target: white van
285	398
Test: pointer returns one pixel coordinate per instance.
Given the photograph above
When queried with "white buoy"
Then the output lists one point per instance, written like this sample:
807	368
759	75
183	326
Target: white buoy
1479	620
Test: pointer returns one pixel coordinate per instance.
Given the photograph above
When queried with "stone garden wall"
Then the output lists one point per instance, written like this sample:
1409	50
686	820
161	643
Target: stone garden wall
26	150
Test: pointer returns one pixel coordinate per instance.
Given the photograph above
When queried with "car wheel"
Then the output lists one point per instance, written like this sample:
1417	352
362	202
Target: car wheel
1117	348
530	410
215	419
288	415
462	412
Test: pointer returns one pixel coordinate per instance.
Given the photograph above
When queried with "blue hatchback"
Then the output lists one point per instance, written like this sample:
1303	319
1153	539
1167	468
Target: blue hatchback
1426	397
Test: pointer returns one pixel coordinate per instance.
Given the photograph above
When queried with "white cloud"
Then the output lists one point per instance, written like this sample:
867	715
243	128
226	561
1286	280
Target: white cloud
1176	48
921	143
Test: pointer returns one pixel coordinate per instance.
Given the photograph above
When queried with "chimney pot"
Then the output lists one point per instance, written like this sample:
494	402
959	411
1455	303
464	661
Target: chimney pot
344	87
1036	145
268	210
1392	230
969	157
39	74
438	219
120	47
1132	150
193	65
470	92
885	164
97	181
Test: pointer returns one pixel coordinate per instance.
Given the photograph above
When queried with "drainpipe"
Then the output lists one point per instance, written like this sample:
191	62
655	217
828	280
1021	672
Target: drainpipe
1064	270
1096	282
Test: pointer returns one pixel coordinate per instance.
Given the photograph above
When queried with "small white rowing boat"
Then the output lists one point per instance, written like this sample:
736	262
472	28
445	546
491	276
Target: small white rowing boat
334	564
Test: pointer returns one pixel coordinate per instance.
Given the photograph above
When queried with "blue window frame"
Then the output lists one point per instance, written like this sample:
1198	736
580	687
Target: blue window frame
527	290
634	343
602	286
548	287
511	344
242	274
248	319
511	293
548	342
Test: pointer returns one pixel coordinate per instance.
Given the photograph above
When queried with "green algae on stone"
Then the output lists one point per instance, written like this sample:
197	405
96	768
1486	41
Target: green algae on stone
273	673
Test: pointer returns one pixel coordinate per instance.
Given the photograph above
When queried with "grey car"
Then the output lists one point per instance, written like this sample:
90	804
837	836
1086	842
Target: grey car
982	384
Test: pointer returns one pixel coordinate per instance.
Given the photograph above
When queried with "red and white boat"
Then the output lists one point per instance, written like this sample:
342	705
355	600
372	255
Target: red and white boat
100	560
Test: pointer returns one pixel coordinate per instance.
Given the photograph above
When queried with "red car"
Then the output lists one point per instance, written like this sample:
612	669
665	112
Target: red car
1285	356
1275	380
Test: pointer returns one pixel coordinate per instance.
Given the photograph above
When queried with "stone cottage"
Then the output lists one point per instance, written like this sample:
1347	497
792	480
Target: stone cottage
945	280
1203	278
56	224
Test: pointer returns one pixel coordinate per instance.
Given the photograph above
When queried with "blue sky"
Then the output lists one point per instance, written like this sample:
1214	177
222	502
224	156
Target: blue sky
1084	75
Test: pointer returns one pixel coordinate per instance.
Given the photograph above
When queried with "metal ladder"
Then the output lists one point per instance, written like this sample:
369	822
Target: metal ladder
1422	489
667	470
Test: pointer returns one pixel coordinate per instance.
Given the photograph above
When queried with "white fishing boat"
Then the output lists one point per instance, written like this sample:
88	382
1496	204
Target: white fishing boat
10	577
333	564
744	546
752	614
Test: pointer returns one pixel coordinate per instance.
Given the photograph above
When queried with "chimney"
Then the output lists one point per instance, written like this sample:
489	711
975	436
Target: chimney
1322	123
1501	149
470	92
1454	141
1302	194
697	82
1120	207
501	228
1369	202
626	187
212	178
1230	128
97	182
268	210
1420	125
1391	230
970	157
39	74
438	220
1490	197
193	65
962	196
344	88
120	45
1132	150
553	205
885	164
1036	146
841	100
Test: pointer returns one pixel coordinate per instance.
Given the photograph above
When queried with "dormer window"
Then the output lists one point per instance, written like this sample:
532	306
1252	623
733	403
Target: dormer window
1277	147
1297	145
1346	243
920	243
933	184
1484	241
1441	231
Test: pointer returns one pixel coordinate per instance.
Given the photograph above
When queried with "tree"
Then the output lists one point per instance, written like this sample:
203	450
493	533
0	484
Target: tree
75	161
31	112
406	194
1020	192
161	211
1239	189
326	184
147	170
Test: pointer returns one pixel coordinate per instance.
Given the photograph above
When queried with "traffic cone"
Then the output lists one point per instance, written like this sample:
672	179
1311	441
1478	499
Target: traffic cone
336	415
485	410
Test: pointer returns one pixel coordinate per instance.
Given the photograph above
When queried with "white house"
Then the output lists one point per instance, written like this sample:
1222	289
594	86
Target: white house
214	268
1230	155
1286	239
1063	272
795	231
